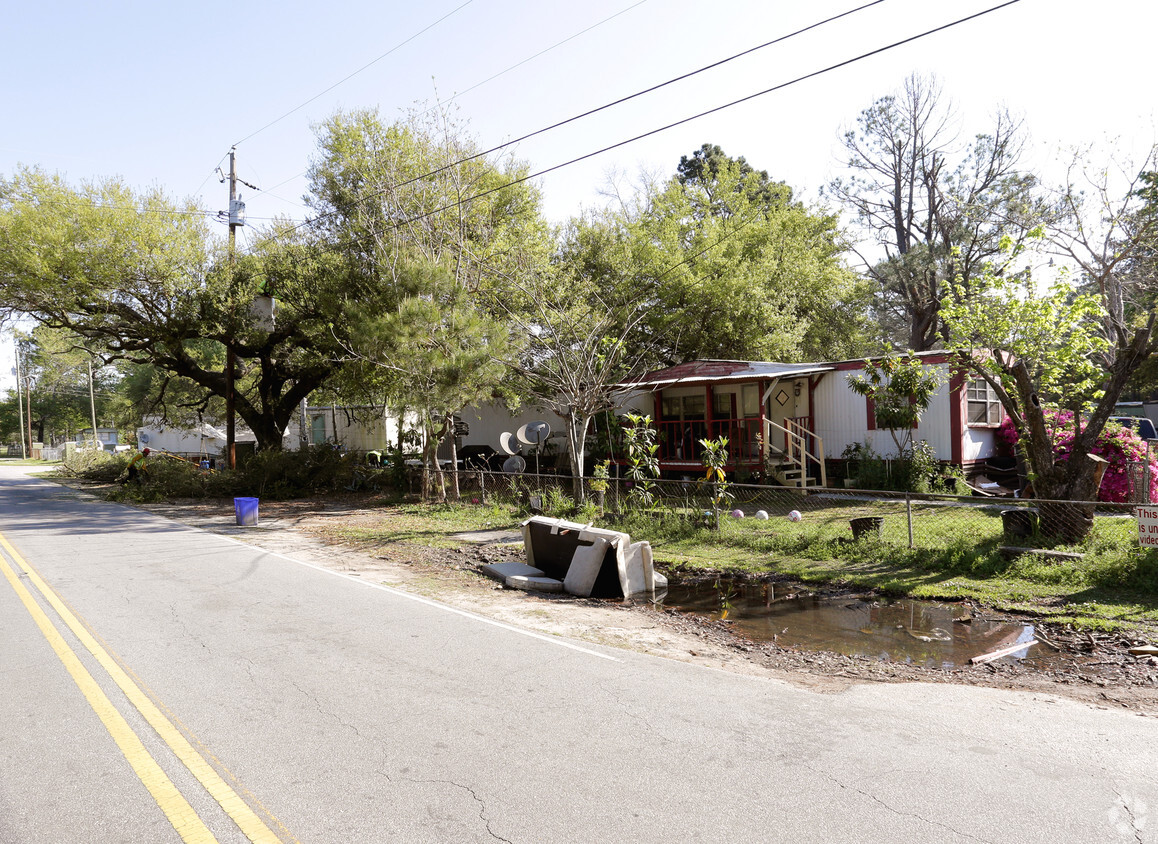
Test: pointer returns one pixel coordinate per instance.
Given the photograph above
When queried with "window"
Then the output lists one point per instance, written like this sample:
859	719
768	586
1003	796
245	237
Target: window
984	407
750	400
724	405
675	408
694	406
317	429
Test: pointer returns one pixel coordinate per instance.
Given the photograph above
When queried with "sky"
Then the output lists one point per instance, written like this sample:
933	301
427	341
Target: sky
158	93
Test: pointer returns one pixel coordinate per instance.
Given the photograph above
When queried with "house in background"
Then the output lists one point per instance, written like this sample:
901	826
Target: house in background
790	419
203	440
106	437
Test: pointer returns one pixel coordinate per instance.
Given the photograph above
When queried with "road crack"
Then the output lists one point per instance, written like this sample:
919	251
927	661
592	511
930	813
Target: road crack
895	810
482	812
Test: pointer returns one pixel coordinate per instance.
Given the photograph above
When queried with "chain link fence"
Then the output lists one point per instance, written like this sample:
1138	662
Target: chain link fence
933	521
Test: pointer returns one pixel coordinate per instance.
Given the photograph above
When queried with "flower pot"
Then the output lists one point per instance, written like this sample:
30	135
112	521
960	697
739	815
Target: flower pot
1019	524
867	526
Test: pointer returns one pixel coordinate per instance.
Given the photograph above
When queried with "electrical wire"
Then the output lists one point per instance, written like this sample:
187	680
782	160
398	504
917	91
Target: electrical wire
650	90
355	73
614	103
216	168
543	52
681	122
451	99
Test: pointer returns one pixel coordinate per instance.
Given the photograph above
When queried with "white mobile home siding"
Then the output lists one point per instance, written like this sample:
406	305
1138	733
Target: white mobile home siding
841	418
489	421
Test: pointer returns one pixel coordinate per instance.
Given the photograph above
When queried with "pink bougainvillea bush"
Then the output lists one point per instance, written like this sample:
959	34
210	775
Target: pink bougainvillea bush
1117	444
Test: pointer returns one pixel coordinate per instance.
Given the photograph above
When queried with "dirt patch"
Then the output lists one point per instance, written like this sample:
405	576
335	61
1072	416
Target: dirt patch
1093	668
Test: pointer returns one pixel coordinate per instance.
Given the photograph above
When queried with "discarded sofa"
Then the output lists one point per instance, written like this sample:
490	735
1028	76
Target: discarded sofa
581	560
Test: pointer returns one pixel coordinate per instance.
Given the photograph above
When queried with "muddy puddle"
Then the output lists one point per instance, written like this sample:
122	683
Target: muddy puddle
931	634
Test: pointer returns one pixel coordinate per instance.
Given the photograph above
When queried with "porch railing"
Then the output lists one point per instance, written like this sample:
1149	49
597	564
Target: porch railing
680	441
802	447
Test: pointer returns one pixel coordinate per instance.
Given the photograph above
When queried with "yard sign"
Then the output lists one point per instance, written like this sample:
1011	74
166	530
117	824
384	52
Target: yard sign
1147	526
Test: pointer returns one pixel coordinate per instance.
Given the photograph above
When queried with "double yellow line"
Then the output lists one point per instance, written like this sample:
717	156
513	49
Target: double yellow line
176	808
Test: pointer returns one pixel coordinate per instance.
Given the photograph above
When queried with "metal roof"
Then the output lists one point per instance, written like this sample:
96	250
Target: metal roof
722	371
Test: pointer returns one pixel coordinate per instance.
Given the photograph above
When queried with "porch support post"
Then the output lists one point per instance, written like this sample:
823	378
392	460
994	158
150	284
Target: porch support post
765	432
957	410
709	410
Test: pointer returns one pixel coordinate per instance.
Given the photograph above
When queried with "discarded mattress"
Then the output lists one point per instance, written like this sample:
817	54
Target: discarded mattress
522	576
589	561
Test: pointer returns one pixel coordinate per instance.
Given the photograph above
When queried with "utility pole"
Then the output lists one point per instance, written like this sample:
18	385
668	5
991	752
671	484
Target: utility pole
28	404
303	432
92	399
230	363
20	402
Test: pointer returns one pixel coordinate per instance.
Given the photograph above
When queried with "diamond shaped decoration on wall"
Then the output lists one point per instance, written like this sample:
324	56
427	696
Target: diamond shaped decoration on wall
782	397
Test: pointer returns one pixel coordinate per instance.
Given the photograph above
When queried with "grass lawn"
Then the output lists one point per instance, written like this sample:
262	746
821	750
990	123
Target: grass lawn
954	555
948	549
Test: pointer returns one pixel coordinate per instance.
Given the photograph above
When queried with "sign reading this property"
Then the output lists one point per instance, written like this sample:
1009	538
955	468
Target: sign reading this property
1147	526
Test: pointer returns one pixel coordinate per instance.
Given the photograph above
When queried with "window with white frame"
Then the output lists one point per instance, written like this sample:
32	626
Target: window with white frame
984	408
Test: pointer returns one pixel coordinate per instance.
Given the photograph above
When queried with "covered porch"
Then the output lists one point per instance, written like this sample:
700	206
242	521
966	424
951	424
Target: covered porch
765	410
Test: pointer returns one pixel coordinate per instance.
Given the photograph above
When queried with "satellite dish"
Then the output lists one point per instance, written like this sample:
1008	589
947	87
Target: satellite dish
534	433
143	437
514	465
508	443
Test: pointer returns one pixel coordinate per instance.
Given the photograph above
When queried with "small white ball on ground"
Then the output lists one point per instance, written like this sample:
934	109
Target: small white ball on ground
794	516
737	514
761	514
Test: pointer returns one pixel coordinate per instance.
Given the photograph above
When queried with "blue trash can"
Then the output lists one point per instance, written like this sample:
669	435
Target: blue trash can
246	509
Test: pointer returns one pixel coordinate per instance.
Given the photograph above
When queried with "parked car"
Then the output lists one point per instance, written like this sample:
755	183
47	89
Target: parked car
1140	425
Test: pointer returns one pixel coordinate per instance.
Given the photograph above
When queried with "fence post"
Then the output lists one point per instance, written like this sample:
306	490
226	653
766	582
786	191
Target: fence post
1149	456
909	512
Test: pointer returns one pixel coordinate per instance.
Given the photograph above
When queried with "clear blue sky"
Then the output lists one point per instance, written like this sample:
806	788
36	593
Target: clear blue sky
157	93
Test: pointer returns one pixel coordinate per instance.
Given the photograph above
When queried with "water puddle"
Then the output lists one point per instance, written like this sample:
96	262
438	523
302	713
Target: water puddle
935	635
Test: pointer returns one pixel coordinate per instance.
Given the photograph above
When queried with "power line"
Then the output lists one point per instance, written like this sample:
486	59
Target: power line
215	169
620	101
355	73
542	52
681	122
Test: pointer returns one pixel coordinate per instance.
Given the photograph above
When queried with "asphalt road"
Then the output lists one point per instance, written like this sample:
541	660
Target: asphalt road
282	702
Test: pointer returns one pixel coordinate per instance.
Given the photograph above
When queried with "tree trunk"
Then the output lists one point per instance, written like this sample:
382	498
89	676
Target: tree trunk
577	424
1066	514
449	426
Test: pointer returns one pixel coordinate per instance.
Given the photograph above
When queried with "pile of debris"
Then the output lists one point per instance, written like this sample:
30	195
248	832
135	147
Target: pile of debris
580	560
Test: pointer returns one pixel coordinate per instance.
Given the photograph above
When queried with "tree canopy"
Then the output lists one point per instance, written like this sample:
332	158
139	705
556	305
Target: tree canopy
730	266
936	207
141	280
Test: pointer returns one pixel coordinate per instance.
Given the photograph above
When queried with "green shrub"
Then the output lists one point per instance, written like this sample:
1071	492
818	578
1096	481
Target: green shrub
588	514
94	465
557	504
